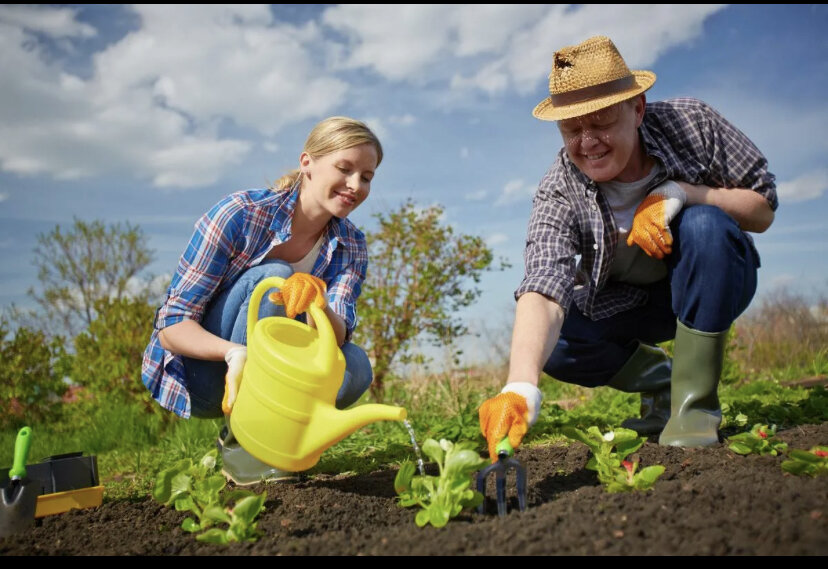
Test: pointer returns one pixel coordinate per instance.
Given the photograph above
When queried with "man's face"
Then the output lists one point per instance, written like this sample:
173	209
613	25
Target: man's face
604	145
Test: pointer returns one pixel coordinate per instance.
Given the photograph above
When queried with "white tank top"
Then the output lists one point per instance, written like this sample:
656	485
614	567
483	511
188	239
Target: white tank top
305	265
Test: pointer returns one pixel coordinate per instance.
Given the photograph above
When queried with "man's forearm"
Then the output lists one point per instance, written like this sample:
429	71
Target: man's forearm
538	322
750	209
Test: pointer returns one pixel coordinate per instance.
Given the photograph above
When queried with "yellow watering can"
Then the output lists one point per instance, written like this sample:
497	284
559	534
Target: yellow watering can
285	413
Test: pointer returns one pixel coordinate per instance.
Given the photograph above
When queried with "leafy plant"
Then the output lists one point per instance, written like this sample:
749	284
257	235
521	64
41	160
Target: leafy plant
759	440
32	376
445	496
609	453
199	489
812	462
422	273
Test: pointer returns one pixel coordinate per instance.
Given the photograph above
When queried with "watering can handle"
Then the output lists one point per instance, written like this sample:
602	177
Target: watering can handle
323	325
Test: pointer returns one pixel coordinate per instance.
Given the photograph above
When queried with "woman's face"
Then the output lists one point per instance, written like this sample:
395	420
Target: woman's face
340	181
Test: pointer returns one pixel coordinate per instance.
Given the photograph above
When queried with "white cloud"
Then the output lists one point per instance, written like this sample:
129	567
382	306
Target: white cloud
402	120
55	22
3	196
155	98
806	187
477	196
515	190
464	152
496	239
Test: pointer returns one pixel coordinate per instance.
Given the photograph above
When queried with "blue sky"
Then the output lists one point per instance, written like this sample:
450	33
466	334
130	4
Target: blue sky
149	114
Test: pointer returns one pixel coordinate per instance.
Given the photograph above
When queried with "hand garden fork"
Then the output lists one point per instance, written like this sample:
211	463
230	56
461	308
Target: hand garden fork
504	463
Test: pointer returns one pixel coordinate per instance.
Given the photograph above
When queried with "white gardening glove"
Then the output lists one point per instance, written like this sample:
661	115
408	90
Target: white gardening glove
651	223
235	358
510	413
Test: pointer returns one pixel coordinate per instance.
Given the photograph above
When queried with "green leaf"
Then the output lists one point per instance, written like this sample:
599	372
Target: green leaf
190	525
248	508
215	513
740	448
214	535
432	449
402	482
650	474
422	517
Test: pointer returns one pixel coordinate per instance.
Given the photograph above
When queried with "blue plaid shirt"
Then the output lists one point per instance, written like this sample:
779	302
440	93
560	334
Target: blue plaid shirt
233	236
570	216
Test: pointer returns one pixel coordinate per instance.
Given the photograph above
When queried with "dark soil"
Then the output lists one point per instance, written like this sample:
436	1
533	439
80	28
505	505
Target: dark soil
708	502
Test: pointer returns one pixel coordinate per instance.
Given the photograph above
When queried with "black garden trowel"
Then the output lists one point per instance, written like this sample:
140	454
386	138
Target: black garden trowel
18	499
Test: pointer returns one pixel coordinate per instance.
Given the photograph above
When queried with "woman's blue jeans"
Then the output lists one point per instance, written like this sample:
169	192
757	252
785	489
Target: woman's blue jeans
226	316
712	274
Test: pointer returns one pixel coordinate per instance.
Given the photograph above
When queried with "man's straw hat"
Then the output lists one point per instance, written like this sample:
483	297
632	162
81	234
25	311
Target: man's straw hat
588	77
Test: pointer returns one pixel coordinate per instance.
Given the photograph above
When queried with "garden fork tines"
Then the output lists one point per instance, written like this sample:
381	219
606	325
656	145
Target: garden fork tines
504	463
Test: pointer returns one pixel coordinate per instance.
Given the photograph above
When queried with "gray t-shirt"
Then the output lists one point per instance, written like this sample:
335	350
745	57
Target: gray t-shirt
631	264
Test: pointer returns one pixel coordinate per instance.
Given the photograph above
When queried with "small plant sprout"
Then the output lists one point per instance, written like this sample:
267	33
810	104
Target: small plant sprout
812	462
610	451
199	489
445	496
760	440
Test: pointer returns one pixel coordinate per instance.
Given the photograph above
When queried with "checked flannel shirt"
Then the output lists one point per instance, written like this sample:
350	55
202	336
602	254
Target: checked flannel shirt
233	236
570	216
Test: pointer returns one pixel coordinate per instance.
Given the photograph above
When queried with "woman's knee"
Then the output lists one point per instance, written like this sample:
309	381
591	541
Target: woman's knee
266	269
358	375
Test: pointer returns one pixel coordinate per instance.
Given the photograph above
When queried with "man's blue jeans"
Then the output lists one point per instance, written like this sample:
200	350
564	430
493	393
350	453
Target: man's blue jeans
226	316
711	279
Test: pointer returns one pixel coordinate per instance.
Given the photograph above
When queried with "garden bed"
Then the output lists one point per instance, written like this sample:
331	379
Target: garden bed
708	502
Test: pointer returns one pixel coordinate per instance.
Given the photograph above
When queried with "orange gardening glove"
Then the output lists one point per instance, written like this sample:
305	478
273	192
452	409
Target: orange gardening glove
297	293
235	358
651	223
510	413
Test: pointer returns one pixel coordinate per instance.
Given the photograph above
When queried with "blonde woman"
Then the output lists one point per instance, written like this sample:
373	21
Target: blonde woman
297	230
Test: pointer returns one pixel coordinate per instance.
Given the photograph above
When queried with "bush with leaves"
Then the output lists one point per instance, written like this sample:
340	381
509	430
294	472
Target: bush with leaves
420	275
32	376
109	352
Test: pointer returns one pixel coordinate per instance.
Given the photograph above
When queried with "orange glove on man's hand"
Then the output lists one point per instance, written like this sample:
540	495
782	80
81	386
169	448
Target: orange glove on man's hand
651	222
510	413
297	293
235	358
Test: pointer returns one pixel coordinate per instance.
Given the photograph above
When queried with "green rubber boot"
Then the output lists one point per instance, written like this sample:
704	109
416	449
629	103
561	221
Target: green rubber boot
697	367
646	372
241	467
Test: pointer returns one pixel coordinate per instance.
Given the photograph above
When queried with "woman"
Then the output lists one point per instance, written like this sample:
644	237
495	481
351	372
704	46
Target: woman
297	230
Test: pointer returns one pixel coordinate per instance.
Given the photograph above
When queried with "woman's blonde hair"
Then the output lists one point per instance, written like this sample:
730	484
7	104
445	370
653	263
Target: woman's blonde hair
331	135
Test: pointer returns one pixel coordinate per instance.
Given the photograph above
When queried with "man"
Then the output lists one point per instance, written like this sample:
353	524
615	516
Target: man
655	199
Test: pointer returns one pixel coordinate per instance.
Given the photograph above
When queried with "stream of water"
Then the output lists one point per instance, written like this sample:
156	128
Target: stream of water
420	465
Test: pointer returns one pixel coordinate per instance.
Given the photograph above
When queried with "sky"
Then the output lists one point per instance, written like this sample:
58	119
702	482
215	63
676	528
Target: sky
149	114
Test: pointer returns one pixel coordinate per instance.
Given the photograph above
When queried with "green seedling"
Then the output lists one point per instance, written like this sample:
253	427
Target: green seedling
610	451
445	496
760	440
199	489
812	462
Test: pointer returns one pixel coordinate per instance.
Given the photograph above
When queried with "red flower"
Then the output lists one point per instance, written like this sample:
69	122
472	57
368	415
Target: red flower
628	465
763	434
821	453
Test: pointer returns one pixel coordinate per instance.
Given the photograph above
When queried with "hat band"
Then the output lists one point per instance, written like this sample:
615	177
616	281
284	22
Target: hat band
593	91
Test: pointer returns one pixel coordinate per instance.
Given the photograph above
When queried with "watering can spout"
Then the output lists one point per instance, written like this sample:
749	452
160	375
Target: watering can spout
331	425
